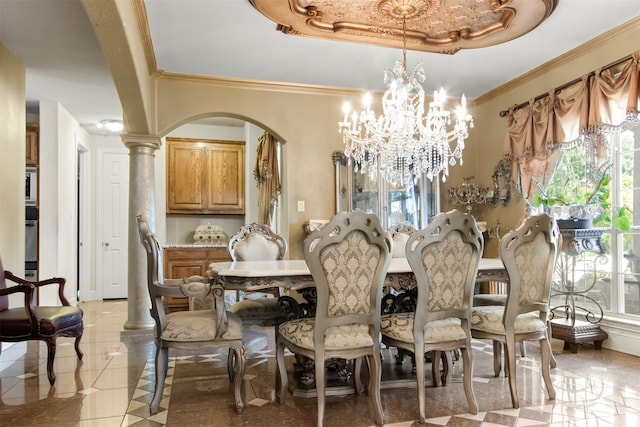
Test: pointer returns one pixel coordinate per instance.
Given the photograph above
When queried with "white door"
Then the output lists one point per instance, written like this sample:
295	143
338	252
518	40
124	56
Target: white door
113	213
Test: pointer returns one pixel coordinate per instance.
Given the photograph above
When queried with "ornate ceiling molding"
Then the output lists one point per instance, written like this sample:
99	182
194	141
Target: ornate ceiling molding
439	26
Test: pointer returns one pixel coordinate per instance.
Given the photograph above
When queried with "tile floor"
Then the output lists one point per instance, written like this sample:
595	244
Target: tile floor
113	384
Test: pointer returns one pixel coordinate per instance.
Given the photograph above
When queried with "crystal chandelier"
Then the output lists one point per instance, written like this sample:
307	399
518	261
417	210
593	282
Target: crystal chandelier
403	143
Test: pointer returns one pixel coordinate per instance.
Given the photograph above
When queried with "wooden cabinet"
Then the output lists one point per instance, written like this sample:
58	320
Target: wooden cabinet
33	138
185	262
205	176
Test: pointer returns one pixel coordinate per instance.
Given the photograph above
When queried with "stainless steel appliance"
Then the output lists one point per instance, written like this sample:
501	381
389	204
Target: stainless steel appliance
31	244
31	187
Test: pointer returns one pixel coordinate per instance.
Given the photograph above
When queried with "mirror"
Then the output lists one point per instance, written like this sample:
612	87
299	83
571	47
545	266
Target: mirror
501	182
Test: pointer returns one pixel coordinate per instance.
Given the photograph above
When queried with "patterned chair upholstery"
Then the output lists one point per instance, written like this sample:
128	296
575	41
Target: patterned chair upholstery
529	255
198	330
256	242
348	260
31	321
444	258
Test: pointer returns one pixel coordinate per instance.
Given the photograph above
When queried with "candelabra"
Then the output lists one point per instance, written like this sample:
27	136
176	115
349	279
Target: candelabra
469	193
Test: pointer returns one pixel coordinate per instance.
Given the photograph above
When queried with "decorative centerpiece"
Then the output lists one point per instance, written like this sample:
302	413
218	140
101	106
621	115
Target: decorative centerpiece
209	234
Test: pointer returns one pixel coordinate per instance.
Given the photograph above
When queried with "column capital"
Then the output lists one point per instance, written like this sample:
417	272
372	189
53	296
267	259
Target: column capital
132	140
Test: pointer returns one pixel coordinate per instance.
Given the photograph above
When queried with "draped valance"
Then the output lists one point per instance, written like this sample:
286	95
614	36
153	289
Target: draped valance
596	104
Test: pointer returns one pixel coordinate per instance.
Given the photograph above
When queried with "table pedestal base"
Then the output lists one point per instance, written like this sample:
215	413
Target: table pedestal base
580	332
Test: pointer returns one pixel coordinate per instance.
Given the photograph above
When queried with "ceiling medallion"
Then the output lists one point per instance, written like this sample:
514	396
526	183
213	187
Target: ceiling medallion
408	9
431	25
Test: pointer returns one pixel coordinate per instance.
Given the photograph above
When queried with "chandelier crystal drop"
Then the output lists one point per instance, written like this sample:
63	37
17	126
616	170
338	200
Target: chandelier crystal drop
403	143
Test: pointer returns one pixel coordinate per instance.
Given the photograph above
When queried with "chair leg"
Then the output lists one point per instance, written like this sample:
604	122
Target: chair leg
468	380
77	347
238	375
510	355
231	364
320	386
552	359
523	349
435	368
545	350
282	380
51	354
419	355
497	358
375	373
357	375
447	366
162	364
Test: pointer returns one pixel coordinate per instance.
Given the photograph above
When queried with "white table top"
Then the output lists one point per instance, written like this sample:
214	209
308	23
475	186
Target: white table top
298	267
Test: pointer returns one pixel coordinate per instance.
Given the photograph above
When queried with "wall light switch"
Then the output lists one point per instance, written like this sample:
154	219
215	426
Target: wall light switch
300	205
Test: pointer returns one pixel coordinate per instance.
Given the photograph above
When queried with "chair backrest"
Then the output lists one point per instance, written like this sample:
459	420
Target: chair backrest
256	242
348	259
4	300
444	258
529	255
400	233
154	255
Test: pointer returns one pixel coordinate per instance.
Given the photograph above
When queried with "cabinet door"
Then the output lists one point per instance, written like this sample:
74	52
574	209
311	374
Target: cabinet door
179	263
226	178
32	145
205	176
186	262
185	172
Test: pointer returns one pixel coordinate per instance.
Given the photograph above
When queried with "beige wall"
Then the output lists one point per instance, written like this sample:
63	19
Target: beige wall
305	122
12	161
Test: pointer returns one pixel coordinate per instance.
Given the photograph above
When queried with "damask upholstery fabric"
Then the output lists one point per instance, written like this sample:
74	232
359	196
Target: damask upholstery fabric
350	267
199	326
532	259
489	318
300	332
446	263
400	326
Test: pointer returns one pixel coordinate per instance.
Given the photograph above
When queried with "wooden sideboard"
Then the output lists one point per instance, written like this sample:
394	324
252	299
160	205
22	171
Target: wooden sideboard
185	261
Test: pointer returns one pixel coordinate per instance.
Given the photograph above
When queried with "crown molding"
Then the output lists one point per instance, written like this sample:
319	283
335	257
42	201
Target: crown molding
572	55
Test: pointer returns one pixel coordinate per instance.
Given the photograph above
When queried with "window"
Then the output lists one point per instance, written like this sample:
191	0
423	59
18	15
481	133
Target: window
606	278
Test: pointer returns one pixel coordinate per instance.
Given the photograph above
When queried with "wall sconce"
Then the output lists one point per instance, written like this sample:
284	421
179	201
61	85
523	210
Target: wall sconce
469	193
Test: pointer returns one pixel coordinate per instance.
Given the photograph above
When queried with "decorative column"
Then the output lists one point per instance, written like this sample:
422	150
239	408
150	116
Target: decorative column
142	201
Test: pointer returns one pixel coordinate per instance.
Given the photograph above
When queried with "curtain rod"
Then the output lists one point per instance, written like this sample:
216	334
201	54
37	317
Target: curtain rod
503	113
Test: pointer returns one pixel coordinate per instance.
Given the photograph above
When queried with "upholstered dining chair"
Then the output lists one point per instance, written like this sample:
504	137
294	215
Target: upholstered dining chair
31	321
256	242
348	260
194	330
400	233
529	255
444	258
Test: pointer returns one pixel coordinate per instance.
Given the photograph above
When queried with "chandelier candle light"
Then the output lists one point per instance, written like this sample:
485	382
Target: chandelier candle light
402	143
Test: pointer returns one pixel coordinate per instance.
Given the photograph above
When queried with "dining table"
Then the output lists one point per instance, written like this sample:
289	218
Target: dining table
294	275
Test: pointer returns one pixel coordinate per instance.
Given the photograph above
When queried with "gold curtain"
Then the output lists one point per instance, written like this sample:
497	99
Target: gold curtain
267	175
595	104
